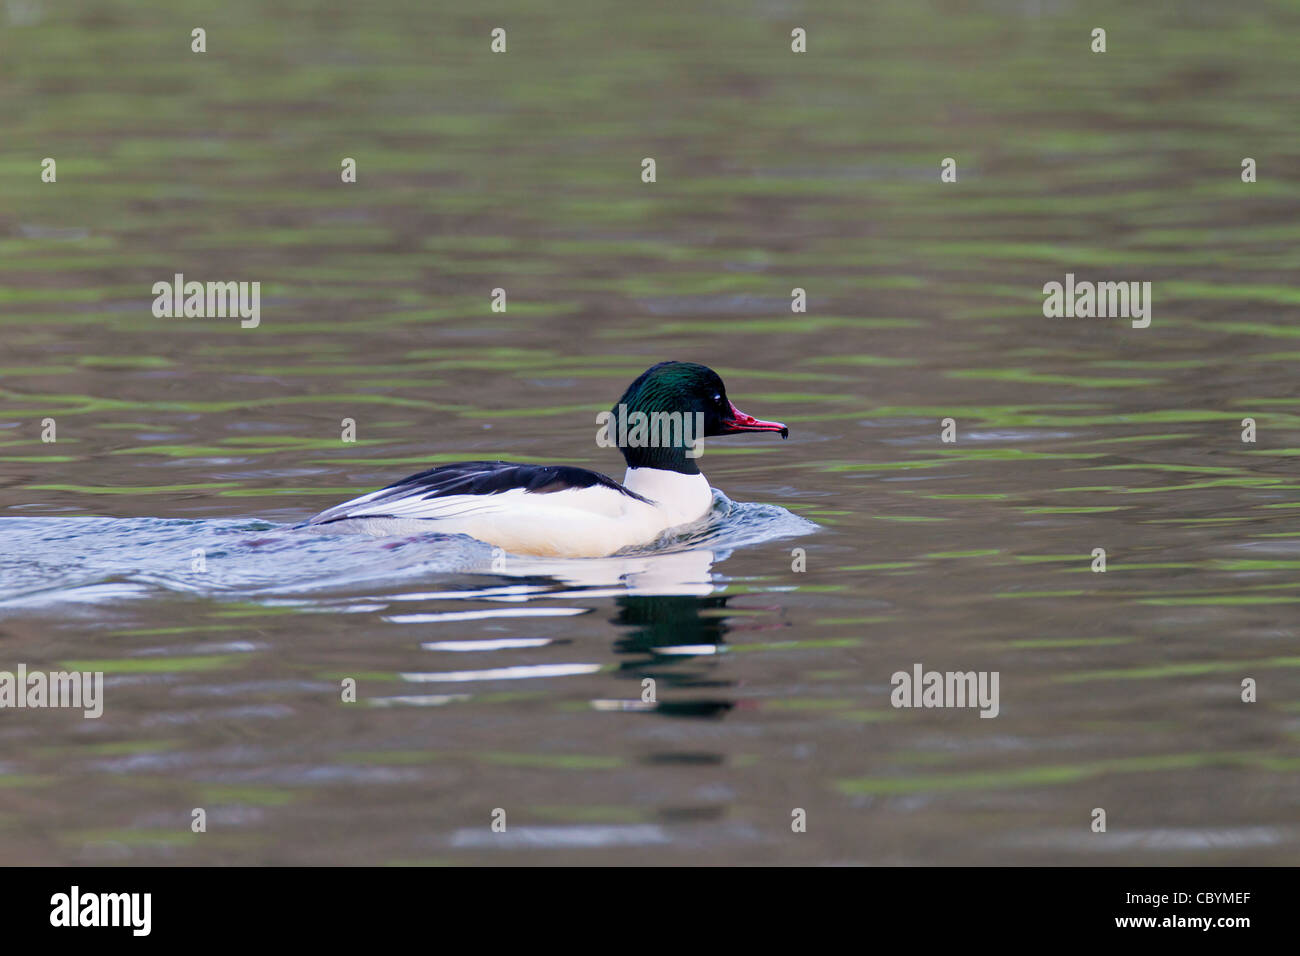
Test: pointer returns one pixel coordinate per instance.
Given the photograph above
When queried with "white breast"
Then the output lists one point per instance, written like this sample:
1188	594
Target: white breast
681	498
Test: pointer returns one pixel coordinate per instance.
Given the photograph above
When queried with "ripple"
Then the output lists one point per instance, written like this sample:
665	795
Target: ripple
500	644
444	616
505	673
53	561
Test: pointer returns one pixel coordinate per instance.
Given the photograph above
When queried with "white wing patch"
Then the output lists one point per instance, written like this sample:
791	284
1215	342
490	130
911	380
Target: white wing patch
516	502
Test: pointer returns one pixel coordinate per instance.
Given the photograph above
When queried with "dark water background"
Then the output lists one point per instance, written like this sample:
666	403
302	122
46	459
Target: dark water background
521	689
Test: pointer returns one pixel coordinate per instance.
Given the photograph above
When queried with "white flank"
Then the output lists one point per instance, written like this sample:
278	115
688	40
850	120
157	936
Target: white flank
574	523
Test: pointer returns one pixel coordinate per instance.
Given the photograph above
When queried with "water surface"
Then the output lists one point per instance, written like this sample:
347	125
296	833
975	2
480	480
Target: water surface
521	687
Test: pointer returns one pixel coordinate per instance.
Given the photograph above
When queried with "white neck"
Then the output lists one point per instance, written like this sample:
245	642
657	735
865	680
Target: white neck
683	498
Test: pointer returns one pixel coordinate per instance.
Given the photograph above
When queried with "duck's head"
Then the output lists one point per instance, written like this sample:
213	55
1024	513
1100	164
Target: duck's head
645	421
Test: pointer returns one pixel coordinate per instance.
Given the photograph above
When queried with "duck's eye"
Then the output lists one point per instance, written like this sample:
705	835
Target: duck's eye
717	398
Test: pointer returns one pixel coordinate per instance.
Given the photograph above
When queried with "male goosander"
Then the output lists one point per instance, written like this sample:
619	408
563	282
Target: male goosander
563	511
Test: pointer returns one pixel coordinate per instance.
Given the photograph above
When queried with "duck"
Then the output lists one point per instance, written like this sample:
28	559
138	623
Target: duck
562	511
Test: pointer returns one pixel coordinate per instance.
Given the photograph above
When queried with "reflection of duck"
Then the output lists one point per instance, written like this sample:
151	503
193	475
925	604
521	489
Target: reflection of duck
669	572
670	621
562	511
673	630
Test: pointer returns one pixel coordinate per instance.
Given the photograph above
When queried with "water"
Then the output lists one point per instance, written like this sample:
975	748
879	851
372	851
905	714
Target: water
521	687
52	558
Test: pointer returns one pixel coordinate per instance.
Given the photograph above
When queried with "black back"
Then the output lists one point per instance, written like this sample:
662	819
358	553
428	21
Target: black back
493	477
